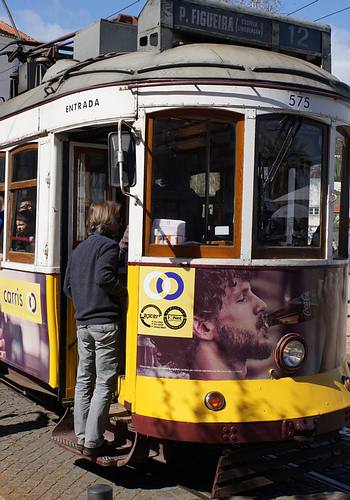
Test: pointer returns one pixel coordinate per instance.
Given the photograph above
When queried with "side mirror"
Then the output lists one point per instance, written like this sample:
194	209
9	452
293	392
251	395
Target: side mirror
121	159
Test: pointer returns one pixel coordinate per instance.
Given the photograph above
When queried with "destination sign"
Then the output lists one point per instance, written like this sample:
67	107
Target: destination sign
233	25
242	27
300	38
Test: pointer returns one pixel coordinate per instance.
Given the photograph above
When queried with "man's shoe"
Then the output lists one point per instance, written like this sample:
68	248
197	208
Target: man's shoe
104	449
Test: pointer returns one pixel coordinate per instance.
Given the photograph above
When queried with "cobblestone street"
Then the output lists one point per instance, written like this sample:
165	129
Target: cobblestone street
32	466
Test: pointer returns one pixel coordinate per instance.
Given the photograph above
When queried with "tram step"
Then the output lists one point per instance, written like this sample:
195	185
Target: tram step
116	434
127	447
118	410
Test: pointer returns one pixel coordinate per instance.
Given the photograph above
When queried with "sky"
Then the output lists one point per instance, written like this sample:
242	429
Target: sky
49	19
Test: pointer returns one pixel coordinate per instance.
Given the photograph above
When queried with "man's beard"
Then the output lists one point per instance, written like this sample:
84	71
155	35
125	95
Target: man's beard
239	345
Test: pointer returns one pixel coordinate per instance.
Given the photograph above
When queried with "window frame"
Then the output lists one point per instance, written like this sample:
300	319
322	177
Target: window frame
343	250
273	252
13	186
77	150
3	194
196	251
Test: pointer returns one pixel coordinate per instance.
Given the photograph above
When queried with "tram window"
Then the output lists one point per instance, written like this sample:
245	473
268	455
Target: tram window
23	197
2	197
91	184
341	196
192	182
290	186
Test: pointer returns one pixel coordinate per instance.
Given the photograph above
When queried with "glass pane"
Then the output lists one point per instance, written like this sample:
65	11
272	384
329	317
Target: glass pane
339	165
91	184
193	181
2	168
290	162
23	221
24	165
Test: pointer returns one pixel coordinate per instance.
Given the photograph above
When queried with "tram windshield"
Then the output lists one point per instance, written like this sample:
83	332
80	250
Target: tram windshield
291	170
193	180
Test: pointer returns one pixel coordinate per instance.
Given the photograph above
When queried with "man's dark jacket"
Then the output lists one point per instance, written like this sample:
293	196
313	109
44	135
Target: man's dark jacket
92	282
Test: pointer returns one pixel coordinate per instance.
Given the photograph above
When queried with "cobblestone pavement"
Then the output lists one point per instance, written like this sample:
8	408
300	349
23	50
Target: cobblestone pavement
32	466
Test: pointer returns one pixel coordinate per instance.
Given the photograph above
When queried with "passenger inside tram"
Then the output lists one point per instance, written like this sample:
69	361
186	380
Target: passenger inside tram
23	239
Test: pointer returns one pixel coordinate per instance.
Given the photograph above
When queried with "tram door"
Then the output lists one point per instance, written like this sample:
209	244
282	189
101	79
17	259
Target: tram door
89	183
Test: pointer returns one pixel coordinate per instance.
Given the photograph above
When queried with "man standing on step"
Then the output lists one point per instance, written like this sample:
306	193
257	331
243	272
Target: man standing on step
92	283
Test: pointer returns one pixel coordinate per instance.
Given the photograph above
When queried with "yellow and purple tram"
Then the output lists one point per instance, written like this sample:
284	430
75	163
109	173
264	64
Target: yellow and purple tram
225	136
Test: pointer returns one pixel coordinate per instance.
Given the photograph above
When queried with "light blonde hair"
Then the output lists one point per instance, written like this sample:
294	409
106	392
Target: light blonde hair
102	216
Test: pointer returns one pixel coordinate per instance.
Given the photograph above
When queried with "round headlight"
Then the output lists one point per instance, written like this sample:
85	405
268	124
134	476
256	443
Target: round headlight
290	352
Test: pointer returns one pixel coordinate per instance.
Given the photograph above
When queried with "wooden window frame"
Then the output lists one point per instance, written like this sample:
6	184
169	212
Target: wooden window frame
196	251
343	249
77	150
276	252
2	193
22	257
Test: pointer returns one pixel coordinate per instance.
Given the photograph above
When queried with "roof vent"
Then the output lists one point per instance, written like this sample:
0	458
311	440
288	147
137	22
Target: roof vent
105	36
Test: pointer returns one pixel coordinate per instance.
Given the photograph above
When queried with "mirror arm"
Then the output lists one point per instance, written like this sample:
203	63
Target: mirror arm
120	162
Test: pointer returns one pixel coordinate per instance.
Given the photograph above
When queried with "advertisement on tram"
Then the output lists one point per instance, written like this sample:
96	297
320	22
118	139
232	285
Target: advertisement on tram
217	324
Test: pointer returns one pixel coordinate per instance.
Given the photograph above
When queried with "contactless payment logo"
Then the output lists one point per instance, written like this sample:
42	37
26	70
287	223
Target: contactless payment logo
31	302
166	302
168	286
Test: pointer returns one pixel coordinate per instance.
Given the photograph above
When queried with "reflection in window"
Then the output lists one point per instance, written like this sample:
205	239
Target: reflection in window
24	165
2	198
2	168
91	175
290	165
23	198
340	197
192	181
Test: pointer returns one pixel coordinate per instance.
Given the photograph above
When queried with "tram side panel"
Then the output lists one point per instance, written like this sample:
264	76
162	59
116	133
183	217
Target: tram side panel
263	399
29	324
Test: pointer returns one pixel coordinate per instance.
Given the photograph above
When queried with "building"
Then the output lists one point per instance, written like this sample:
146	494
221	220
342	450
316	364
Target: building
7	35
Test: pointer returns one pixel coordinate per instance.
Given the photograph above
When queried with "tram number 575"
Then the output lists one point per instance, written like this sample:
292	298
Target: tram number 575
299	101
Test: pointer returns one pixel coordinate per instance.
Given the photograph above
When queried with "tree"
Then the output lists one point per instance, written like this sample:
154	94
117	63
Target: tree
269	5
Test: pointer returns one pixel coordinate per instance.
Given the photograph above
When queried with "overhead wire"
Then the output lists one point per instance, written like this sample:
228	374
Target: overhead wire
332	13
123	8
302	8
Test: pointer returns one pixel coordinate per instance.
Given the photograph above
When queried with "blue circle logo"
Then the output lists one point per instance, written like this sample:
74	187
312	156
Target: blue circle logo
168	286
31	302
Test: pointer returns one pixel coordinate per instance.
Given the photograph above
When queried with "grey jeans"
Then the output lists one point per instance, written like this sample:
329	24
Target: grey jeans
97	347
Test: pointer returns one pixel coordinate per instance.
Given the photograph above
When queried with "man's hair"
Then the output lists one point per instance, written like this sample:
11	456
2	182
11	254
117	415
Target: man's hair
211	285
102	216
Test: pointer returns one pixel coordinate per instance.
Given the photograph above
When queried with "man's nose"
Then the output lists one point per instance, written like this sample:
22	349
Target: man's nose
260	306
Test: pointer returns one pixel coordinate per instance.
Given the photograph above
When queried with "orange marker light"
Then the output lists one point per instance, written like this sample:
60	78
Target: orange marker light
214	401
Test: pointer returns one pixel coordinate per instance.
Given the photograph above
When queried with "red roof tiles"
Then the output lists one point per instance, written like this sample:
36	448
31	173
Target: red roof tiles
7	30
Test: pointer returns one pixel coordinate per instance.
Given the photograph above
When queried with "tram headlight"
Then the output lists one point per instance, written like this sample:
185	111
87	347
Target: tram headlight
290	352
215	401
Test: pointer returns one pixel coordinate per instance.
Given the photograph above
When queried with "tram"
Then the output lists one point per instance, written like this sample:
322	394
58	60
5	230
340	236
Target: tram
224	135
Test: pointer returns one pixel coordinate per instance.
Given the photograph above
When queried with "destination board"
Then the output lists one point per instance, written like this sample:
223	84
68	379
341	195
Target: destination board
300	38
234	25
246	28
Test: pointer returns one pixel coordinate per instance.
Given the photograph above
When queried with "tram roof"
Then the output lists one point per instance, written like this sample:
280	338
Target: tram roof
193	62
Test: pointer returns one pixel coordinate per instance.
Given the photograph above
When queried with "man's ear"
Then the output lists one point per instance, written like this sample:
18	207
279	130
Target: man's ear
204	329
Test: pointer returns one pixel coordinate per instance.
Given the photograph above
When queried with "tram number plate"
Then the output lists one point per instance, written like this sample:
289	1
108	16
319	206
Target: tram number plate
299	101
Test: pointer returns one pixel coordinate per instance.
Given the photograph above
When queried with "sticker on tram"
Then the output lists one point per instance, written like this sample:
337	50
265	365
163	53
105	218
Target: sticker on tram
166	302
21	299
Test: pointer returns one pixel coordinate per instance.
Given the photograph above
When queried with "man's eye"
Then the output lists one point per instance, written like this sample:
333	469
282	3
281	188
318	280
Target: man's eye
241	299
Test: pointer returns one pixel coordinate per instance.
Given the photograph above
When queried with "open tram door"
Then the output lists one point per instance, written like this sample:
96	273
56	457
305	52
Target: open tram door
89	180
